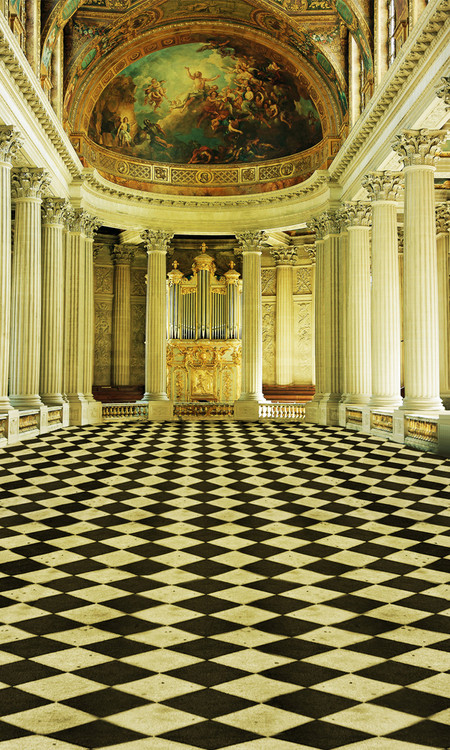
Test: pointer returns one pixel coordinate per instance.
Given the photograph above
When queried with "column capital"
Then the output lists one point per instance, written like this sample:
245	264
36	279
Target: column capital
317	225
250	242
123	255
156	240
10	142
284	255
82	222
418	147
357	214
443	92
443	218
311	250
332	222
55	210
29	182
382	186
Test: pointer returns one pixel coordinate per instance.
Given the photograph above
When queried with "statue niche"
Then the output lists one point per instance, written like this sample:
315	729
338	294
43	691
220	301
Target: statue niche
204	336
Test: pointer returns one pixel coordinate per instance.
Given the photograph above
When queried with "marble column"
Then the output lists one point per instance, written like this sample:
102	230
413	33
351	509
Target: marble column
356	217
27	186
121	329
54	212
443	248
318	226
332	370
285	257
90	224
343	250
419	150
385	299
156	243
9	144
74	310
251	369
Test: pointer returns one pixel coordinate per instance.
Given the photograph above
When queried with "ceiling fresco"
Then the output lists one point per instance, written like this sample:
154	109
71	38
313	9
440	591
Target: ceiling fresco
216	102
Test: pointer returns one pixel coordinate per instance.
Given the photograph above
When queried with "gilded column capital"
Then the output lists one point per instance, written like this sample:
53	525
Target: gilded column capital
443	218
10	143
29	182
443	92
284	255
382	186
55	210
419	147
156	240
250	242
123	254
82	222
357	214
317	225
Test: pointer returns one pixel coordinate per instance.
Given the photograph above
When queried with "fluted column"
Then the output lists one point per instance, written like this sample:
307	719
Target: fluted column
156	243
285	258
9	144
332	372
27	186
54	212
121	334
356	216
418	149
443	248
385	299
318	225
90	224
251	372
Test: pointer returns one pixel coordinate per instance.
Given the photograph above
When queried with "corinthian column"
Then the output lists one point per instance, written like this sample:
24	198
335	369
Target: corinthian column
356	216
385	308
443	248
156	243
332	369
418	149
123	257
251	370
54	213
9	144
27	186
312	408
285	258
89	225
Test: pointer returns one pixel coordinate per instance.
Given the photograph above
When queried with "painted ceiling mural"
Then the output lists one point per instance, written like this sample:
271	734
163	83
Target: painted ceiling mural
215	102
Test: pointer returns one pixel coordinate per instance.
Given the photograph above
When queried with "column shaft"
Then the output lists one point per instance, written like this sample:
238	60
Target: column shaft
121	342
51	372
358	315
332	384
319	318
74	318
88	368
251	327
156	311
443	248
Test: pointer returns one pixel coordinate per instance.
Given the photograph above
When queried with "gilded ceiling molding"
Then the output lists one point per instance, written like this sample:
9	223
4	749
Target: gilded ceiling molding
382	186
419	147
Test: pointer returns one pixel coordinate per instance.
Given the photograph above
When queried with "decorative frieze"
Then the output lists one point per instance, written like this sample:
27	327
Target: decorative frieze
55	211
10	143
268	281
419	147
382	186
29	182
303	280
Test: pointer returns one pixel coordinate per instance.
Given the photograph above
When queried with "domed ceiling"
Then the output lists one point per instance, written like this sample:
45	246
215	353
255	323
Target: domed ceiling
235	96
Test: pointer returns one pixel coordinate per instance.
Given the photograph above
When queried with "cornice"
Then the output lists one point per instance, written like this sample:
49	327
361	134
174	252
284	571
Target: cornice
25	80
433	22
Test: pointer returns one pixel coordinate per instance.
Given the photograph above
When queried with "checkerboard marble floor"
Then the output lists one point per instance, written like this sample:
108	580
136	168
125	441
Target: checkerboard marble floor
211	585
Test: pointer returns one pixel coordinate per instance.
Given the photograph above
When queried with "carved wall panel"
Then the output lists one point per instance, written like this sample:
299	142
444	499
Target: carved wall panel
138	286
103	279
303	280
137	356
268	321
103	335
268	281
303	335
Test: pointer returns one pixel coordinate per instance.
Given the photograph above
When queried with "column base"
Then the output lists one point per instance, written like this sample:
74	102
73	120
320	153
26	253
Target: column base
386	402
446	400
329	409
256	397
246	411
160	411
149	397
85	412
11	434
312	409
31	401
5	404
413	404
52	399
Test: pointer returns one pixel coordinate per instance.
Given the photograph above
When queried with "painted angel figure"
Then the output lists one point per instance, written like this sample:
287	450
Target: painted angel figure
154	93
124	133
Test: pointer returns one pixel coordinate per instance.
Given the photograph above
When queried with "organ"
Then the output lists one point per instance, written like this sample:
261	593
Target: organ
203	332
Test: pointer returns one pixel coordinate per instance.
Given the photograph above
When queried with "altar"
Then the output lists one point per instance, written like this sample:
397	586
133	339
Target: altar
204	336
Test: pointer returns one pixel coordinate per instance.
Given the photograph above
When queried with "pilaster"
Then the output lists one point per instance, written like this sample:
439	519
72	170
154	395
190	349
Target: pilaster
122	256
285	258
443	248
312	410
